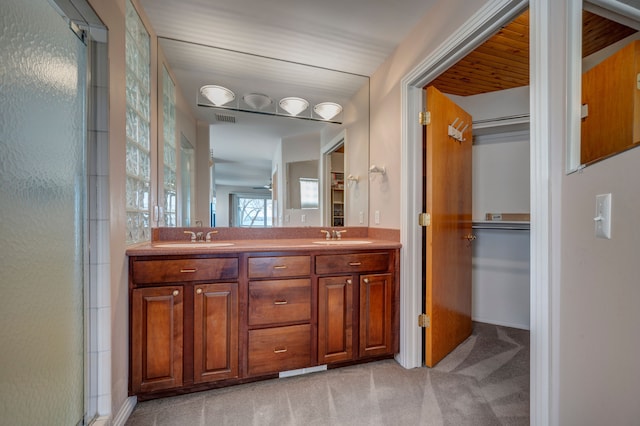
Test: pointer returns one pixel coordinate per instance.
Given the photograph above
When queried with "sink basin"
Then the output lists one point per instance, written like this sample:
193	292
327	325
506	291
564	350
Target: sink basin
341	242
193	245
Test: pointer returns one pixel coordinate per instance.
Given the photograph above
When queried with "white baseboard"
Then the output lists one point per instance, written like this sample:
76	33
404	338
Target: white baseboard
502	323
125	411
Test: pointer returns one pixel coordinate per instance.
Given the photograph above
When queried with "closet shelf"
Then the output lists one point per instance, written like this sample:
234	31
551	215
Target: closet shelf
502	225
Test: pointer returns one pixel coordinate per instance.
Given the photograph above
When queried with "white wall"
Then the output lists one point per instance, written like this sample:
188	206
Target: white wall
440	21
300	148
357	158
599	297
594	287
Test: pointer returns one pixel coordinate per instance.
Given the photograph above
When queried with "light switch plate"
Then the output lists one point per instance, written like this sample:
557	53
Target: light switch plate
602	219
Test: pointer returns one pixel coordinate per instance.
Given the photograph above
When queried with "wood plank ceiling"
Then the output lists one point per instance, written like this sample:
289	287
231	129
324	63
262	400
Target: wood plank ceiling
502	62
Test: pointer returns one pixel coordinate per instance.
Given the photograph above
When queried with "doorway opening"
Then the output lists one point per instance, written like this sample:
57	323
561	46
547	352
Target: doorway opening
483	25
334	191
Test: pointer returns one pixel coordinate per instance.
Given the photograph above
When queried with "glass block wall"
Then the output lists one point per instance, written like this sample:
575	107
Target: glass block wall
170	161
138	160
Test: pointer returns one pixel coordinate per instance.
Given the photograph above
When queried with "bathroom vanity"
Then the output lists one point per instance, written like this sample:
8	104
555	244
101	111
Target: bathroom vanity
211	315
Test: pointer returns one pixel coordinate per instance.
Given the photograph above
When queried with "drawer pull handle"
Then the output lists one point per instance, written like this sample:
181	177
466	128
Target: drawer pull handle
188	270
279	351
280	267
366	280
280	302
176	292
199	291
355	263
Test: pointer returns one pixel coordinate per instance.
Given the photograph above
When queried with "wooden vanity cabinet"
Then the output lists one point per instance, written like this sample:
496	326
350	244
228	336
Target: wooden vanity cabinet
215	332
279	328
376	314
184	322
156	338
359	308
199	321
335	318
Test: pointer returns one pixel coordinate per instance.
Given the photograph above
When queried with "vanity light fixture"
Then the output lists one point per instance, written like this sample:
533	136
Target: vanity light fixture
214	96
257	100
293	105
327	110
218	95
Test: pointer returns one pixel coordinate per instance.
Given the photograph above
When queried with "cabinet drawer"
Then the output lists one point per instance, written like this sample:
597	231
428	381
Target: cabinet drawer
181	270
354	262
279	349
279	301
280	266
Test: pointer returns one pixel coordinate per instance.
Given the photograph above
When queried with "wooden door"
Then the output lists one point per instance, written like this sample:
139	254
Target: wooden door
215	332
335	319
448	238
376	294
156	338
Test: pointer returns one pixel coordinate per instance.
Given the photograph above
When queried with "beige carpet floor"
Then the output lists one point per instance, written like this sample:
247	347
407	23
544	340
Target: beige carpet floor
485	381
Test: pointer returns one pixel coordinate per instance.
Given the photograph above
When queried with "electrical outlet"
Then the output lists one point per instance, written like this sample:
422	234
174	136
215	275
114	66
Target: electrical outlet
361	217
303	218
602	220
376	217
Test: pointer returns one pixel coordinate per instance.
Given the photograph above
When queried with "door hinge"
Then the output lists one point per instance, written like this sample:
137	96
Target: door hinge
424	219
424	118
424	321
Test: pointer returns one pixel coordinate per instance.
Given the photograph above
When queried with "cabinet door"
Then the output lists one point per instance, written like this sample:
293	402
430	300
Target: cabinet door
215	332
376	294
335	319
156	338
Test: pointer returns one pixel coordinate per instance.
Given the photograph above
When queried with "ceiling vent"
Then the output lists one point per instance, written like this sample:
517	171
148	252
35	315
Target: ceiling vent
225	118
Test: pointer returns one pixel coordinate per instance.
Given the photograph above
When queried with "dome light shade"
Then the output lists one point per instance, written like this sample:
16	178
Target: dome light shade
257	100
327	110
218	95
293	105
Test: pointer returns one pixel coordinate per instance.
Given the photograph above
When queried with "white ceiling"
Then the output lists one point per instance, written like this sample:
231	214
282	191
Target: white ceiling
353	36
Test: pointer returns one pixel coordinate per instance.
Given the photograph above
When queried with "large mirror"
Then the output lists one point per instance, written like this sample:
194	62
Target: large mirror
254	140
605	63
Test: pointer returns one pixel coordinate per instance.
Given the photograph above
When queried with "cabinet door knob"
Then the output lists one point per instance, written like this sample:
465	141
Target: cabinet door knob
349	281
185	270
279	351
280	267
355	263
366	280
199	291
280	302
176	292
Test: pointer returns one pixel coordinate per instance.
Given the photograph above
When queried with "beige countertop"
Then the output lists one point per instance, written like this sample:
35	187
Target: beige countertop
181	247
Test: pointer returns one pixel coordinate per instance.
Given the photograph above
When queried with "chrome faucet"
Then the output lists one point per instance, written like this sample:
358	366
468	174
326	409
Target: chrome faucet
208	238
333	234
193	235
